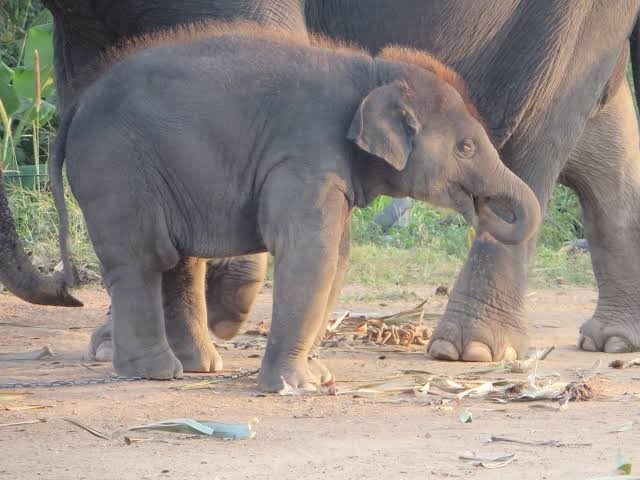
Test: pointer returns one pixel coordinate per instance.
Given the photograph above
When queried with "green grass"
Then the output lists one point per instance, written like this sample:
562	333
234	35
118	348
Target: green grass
434	245
37	225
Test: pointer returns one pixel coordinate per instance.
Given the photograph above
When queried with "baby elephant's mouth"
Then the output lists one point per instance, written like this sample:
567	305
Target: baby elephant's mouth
465	204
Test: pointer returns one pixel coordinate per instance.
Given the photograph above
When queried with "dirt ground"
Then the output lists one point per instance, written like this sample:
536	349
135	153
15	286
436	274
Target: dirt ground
384	436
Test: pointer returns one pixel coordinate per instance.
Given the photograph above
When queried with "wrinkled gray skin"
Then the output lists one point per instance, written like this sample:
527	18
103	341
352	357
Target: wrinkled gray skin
275	160
17	273
548	76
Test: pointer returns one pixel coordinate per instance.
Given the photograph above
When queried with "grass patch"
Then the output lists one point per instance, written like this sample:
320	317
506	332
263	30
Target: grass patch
432	248
37	225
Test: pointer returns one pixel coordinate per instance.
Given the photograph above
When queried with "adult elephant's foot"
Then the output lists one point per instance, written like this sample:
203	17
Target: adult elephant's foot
158	363
473	331
199	358
474	351
303	374
485	319
611	331
101	345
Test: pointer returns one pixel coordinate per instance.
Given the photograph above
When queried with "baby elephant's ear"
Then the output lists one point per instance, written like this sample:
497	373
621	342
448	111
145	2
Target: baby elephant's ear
385	124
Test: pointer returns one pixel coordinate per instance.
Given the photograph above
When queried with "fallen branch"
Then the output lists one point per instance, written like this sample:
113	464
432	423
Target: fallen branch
546	443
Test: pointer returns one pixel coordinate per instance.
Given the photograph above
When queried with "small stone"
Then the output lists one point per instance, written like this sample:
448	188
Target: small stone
617	364
442	290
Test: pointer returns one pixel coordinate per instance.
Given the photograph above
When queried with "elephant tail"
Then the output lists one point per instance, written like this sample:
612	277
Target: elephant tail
57	188
634	41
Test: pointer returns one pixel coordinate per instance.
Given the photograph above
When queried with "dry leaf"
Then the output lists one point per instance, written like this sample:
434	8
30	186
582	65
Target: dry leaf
44	352
27	422
91	430
623	466
131	440
496	460
10	396
18	408
479	391
337	322
230	431
624	428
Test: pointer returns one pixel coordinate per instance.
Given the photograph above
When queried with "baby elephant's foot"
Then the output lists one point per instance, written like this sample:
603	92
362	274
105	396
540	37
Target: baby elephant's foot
156	364
303	375
201	359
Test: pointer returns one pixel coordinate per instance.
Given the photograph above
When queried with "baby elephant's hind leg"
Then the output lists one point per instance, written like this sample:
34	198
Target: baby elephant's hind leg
232	286
186	316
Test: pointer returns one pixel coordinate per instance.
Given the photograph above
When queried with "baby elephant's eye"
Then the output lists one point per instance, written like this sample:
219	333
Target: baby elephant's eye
466	148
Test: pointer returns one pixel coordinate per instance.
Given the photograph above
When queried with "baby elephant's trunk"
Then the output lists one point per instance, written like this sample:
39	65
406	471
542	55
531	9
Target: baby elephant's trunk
508	209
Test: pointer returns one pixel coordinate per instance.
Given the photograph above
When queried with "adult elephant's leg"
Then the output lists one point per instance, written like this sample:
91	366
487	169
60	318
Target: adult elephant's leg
604	170
485	319
232	286
185	316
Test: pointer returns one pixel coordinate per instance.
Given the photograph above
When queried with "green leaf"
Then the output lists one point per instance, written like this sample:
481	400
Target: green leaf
47	111
6	73
24	82
9	98
39	38
466	417
48	87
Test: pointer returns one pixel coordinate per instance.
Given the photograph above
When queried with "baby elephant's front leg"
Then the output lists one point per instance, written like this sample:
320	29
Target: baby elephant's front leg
303	278
303	230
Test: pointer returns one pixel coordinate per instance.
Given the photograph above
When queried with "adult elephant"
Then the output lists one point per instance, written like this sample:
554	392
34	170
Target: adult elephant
548	78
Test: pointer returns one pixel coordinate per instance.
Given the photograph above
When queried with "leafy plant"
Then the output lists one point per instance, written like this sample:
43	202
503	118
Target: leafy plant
26	90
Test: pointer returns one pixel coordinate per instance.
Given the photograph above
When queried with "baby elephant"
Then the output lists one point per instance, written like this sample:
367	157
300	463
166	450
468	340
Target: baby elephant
217	141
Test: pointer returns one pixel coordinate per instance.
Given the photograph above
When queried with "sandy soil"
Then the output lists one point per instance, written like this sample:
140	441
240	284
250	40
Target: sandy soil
313	436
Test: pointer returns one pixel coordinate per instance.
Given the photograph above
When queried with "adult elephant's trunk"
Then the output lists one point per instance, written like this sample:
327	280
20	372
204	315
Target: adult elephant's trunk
18	274
507	208
634	41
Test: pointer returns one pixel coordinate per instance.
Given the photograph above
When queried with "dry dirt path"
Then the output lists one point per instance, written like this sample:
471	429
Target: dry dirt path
306	437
